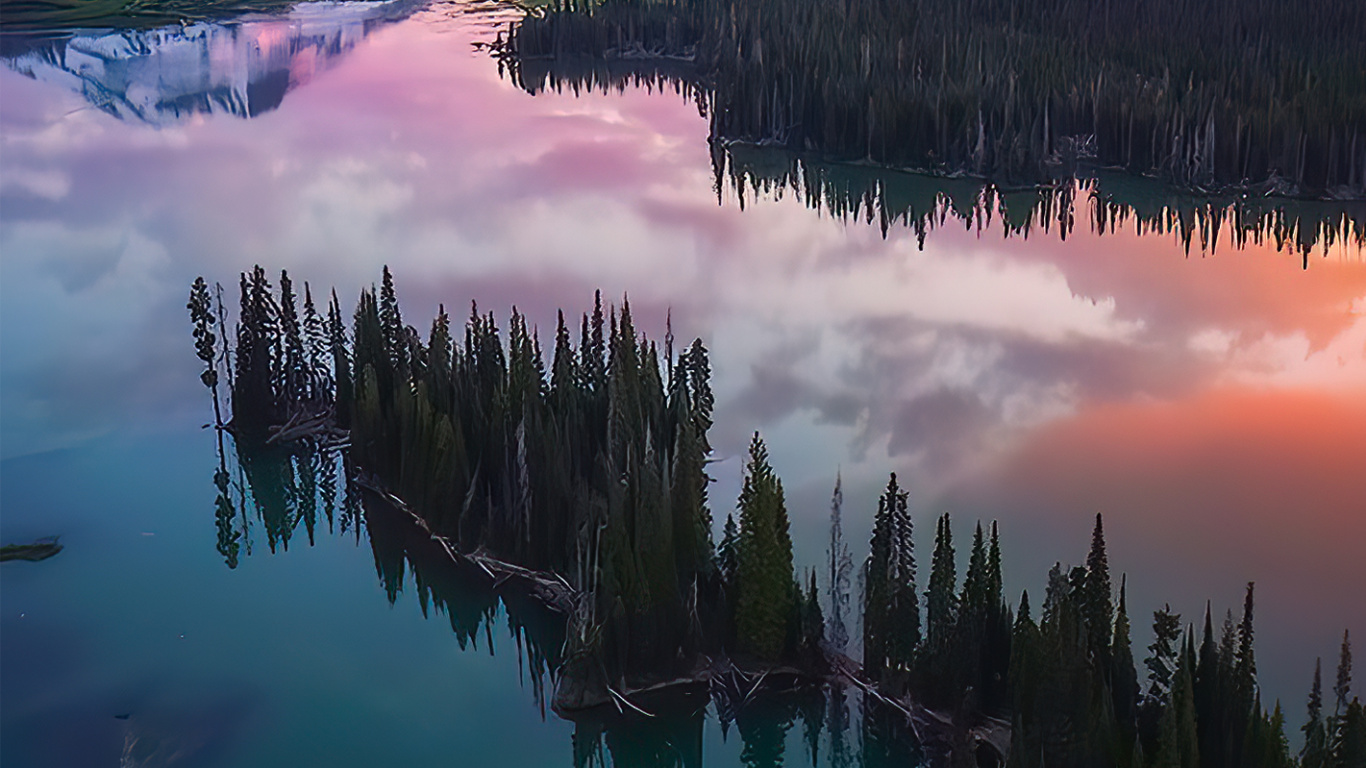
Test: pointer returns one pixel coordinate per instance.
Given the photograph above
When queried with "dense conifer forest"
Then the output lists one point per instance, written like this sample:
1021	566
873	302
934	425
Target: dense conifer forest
572	487
1216	113
1204	94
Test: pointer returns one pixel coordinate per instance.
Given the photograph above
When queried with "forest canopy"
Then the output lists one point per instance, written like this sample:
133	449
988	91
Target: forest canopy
579	476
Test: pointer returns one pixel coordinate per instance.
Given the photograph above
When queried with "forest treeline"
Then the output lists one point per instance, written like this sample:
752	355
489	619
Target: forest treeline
1257	94
587	464
1107	202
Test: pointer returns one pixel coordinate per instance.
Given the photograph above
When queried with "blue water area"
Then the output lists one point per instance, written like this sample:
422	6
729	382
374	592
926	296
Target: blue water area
138	641
138	645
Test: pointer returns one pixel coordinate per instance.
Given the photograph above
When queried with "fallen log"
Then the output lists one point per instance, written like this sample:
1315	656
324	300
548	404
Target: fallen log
41	549
549	589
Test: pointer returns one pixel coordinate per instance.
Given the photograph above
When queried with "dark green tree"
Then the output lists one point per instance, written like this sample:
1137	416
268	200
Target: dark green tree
1178	738
205	341
1123	677
1314	754
763	560
891	611
1162	655
1099	609
840	570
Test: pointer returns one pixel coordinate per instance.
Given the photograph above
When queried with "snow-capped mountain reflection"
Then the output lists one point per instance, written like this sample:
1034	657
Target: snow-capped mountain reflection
243	67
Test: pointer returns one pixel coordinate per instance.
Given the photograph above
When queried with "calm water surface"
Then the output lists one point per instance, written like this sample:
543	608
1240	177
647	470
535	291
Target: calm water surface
1213	406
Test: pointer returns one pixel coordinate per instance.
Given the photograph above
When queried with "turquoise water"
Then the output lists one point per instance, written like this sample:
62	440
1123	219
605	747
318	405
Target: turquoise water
291	659
1210	405
137	645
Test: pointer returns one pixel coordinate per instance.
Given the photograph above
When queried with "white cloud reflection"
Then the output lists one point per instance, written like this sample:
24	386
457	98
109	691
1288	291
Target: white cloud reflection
848	350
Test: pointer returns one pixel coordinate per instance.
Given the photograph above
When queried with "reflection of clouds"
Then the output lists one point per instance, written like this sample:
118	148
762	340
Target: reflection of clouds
957	366
48	185
85	334
936	360
350	209
1295	360
1201	495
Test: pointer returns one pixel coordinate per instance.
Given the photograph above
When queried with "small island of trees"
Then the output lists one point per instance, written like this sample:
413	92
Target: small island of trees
574	488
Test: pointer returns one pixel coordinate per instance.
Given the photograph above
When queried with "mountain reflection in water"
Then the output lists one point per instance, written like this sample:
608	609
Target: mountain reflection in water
243	68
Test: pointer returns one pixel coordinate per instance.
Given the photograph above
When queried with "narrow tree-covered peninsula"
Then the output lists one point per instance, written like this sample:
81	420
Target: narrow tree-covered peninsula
569	481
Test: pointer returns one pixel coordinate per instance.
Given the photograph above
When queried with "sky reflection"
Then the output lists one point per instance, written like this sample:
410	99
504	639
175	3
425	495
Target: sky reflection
1210	406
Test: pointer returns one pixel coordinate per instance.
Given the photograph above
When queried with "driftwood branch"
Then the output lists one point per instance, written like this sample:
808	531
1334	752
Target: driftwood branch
550	589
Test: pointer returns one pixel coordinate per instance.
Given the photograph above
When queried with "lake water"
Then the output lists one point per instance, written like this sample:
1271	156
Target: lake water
1212	405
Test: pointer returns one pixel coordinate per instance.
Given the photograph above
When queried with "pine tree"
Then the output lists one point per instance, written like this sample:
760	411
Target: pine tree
1277	749
1351	751
941	603
1343	687
974	599
1246	664
1026	670
391	323
1123	676
841	567
1098	607
727	552
1162	659
1178	739
1212	706
1315	751
205	341
995	584
813	620
891	614
763	560
341	362
291	385
320	384
937	661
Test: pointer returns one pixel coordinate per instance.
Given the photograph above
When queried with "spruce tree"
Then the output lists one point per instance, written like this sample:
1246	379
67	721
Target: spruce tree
391	322
941	603
1212	705
1351	752
1162	658
1098	606
1342	688
726	553
841	568
320	383
1123	676
1246	664
205	341
995	582
1315	751
813	620
763	560
974	599
891	613
341	362
1178	740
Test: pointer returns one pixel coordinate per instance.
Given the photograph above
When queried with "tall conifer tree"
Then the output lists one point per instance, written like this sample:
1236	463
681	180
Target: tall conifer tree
1098	607
763	561
840	569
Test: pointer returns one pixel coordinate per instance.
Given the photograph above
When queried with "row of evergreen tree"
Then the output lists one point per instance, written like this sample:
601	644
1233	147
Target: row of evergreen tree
594	468
1106	204
1206	95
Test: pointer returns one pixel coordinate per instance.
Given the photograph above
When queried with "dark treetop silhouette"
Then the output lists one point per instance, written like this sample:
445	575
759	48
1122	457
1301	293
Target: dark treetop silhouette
1224	102
577	494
